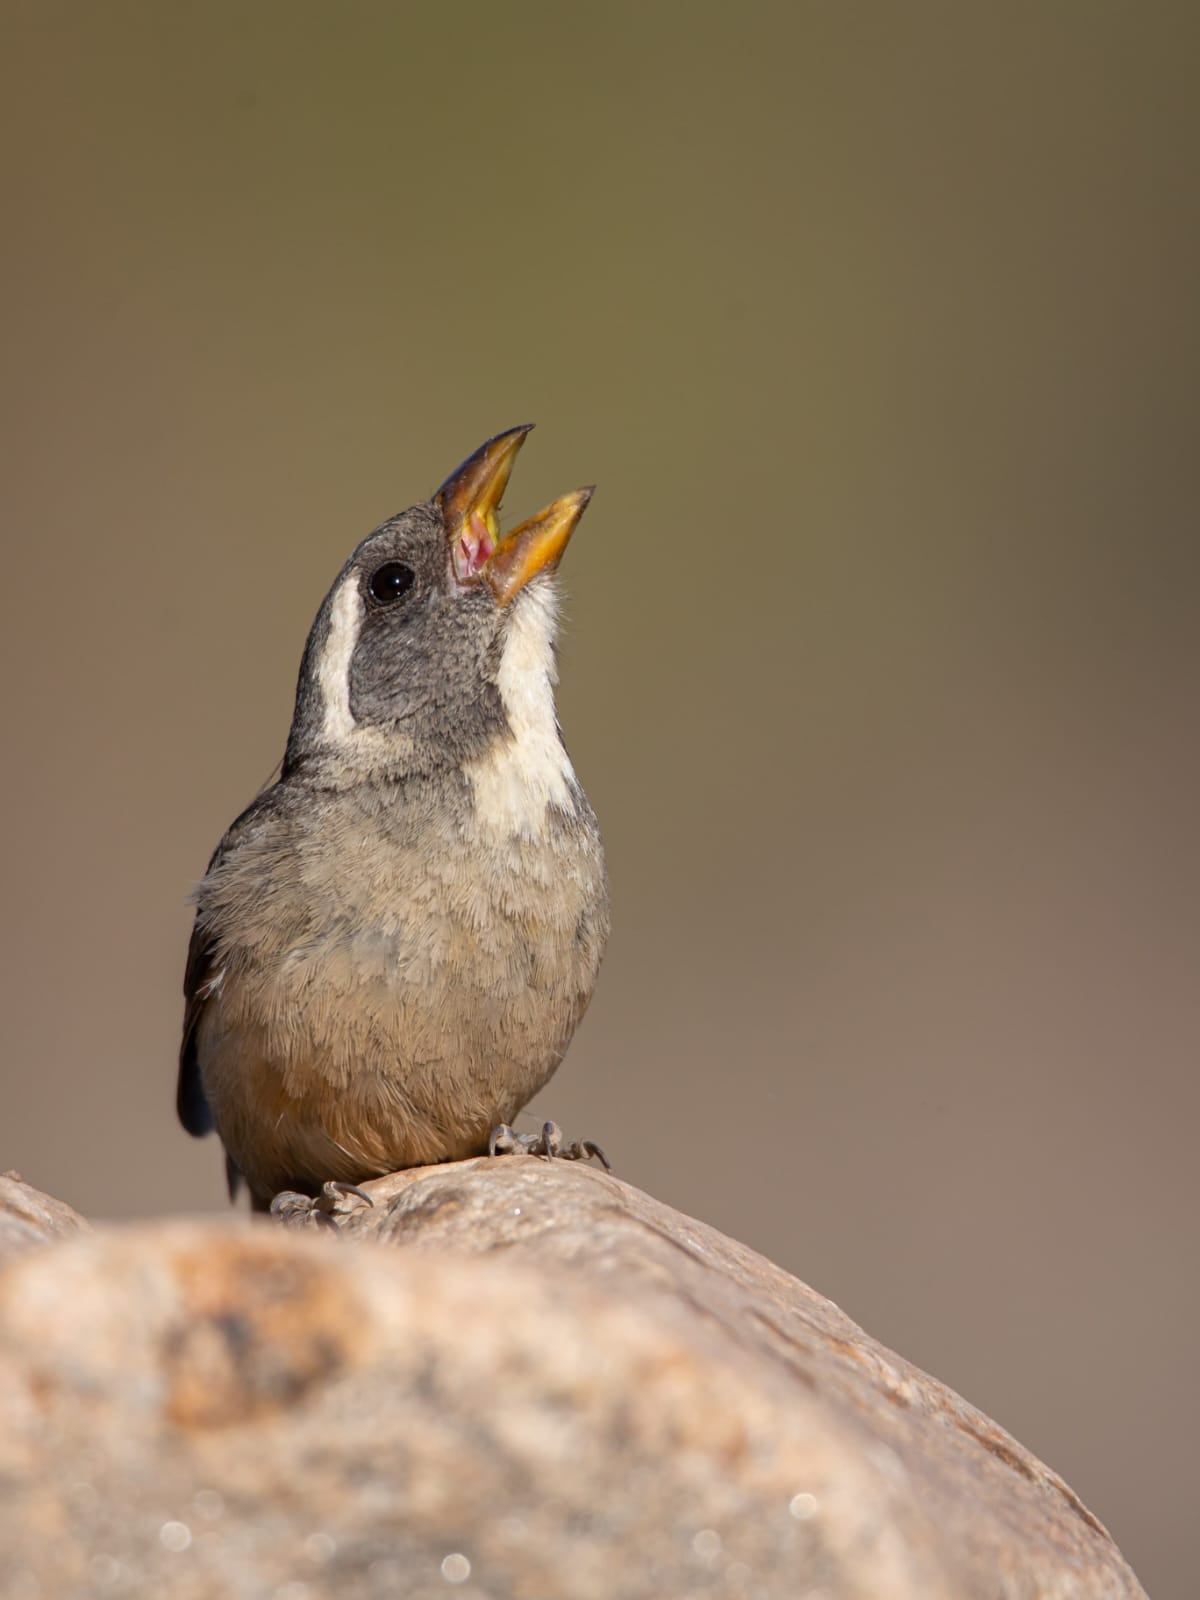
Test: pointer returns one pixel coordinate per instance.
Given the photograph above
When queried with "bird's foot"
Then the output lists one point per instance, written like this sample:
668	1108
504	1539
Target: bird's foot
315	1211
505	1141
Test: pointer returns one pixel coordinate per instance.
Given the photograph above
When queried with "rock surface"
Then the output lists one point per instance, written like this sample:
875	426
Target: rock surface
29	1218
506	1378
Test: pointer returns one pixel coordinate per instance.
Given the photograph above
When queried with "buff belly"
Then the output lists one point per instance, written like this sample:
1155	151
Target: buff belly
344	1060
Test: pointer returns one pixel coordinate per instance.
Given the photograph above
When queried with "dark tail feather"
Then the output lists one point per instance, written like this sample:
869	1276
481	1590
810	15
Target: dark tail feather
233	1178
194	1110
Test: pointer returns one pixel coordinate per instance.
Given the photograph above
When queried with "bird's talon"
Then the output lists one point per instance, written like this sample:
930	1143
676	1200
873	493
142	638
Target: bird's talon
318	1211
293	1210
548	1143
502	1141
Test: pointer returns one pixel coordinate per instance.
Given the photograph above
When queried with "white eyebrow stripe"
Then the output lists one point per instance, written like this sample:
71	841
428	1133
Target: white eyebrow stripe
333	674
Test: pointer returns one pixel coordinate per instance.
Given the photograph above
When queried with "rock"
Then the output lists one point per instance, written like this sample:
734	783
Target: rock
507	1378
29	1218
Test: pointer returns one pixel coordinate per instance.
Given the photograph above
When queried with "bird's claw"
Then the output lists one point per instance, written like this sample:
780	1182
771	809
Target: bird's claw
318	1211
548	1143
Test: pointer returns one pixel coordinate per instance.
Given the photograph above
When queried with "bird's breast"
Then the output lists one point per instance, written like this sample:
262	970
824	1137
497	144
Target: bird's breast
390	985
448	941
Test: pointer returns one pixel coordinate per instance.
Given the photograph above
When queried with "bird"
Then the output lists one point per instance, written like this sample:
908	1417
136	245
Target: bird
396	940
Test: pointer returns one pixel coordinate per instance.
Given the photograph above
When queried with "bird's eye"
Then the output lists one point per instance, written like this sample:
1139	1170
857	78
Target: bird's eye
391	582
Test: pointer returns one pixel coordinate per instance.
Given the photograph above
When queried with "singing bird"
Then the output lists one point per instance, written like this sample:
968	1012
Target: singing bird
395	942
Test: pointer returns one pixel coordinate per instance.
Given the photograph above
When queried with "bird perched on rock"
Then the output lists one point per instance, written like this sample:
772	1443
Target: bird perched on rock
395	942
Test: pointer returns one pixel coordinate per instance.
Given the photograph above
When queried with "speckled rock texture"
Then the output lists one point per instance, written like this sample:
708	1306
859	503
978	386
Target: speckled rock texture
29	1218
507	1378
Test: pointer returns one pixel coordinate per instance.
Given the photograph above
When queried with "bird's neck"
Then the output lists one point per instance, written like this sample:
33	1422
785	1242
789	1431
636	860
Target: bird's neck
526	768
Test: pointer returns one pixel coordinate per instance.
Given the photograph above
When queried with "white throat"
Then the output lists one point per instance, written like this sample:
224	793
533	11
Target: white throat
530	770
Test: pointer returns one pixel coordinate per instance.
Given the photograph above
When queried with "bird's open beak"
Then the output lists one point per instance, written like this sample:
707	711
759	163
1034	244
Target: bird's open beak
469	501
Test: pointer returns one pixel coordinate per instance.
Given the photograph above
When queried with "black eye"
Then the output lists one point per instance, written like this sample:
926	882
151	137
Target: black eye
391	582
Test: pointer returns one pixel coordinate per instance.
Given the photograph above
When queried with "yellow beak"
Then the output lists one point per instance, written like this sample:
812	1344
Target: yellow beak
469	502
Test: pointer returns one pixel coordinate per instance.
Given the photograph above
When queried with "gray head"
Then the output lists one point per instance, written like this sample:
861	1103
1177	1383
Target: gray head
438	634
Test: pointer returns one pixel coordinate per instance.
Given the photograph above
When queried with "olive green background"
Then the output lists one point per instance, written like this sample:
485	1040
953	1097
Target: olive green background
876	326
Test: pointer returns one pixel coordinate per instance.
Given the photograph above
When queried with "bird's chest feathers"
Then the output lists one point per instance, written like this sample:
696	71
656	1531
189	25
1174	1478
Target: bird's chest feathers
527	770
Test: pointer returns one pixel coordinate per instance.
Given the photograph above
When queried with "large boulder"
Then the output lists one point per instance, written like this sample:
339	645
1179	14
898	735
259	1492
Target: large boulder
505	1378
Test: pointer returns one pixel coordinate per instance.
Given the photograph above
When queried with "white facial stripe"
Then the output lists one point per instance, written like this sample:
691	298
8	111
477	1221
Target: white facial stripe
333	675
515	783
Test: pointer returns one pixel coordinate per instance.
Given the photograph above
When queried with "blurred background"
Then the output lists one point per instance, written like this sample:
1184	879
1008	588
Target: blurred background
877	328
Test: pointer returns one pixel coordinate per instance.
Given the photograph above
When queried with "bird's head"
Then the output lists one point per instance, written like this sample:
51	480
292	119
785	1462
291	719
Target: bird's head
438	636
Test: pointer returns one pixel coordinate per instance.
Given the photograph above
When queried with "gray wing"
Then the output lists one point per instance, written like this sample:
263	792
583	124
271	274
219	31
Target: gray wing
199	980
190	1101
